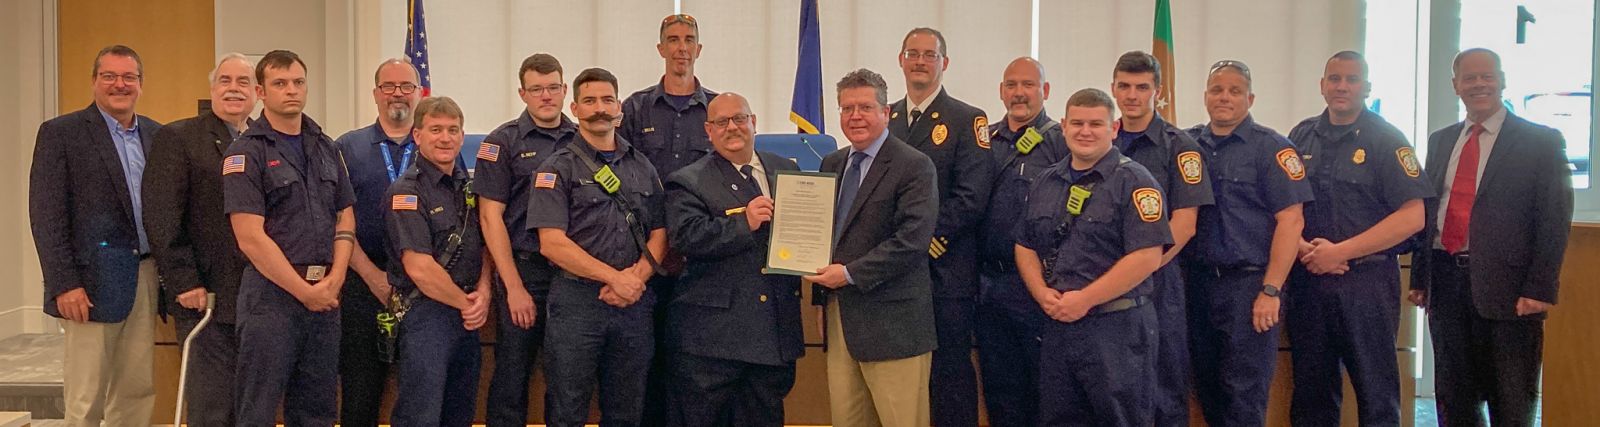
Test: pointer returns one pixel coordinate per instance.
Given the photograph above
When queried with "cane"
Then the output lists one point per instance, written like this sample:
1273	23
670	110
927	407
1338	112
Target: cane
183	371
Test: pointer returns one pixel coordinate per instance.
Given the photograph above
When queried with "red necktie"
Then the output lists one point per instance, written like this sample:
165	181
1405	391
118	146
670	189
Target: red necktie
1463	190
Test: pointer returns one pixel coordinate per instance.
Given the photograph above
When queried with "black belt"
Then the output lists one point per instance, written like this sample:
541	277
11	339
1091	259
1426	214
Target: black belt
997	266
1223	271
1119	304
1370	258
1460	260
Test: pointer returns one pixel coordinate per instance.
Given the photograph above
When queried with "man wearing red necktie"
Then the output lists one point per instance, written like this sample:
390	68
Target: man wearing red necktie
1492	250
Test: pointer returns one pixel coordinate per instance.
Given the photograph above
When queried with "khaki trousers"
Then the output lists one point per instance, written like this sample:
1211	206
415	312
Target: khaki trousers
891	393
108	366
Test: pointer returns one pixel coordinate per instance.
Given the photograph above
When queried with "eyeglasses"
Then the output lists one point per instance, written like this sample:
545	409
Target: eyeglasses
554	89
404	88
736	119
853	109
1229	63
111	78
913	55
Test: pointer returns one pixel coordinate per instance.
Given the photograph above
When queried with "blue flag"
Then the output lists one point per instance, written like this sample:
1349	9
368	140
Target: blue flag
806	110
417	45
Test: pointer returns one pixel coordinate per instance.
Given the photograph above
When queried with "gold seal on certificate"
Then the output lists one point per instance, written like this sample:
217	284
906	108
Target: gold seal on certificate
802	223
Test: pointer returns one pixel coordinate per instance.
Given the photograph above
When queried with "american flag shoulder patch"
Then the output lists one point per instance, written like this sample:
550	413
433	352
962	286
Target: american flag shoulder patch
490	152
233	164
403	202
544	180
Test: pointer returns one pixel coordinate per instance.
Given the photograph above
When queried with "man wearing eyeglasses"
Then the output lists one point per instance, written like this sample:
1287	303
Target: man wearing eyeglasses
735	332
955	136
506	162
84	207
375	156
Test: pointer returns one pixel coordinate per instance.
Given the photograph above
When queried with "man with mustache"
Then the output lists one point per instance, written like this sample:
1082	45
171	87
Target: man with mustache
1174	159
288	199
191	239
1008	320
597	207
955	136
1492	249
1343	316
735	332
84	195
506	162
374	156
443	279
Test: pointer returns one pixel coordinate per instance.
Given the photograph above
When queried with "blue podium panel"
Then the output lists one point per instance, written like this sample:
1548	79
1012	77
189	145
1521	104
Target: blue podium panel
469	149
805	149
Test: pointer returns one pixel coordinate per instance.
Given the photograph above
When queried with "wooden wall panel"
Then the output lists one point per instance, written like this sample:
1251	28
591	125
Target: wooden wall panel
174	38
1572	335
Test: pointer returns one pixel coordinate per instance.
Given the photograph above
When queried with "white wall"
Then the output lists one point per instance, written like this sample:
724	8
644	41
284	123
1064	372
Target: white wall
28	88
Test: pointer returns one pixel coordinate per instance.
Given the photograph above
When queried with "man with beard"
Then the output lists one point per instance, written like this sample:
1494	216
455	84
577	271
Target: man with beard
597	207
190	237
375	157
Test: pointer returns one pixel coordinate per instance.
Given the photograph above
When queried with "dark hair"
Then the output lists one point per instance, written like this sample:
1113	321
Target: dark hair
542	63
277	59
386	62
865	78
925	30
1138	62
1455	66
1091	98
116	50
1350	55
592	75
437	106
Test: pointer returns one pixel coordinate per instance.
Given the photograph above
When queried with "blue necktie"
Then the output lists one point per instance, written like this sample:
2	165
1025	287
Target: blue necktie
847	190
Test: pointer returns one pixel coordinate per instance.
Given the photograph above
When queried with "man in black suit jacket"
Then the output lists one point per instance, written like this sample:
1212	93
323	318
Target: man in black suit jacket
1491	250
734	331
83	206
955	136
878	297
192	240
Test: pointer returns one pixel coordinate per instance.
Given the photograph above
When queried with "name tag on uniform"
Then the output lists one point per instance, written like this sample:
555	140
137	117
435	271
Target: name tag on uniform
1028	141
734	211
1075	200
315	273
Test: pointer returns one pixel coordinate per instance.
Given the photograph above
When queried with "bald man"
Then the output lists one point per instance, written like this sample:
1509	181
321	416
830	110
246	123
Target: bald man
734	332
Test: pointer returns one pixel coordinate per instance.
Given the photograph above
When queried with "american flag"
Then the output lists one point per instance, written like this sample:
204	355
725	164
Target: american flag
544	180
490	152
417	45
233	164
403	202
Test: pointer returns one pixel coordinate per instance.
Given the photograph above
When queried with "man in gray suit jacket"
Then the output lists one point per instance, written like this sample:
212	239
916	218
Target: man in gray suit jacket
1491	250
879	332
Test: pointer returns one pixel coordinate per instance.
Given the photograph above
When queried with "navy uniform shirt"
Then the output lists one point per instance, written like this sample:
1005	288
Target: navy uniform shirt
671	136
370	176
1122	214
1255	172
301	202
425	207
565	196
1016	171
506	162
1174	159
1360	174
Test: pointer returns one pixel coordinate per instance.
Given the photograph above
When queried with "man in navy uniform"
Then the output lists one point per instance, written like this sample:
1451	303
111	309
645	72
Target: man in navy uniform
375	156
192	241
955	136
735	331
506	161
443	280
1093	232
1008	320
1174	159
1342	311
288	198
1244	248
597	208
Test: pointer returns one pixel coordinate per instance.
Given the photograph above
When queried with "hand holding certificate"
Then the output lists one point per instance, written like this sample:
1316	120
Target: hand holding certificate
802	223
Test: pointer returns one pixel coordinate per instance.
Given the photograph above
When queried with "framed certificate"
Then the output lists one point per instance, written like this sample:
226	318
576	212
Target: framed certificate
802	223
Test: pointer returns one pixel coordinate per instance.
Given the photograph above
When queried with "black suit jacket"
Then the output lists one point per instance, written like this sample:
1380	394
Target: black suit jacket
724	307
190	235
1520	217
887	312
81	213
965	175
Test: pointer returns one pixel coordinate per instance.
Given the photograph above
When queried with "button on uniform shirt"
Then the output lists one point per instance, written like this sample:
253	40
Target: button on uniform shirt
1486	140
1360	173
566	197
423	208
1255	172
507	160
1016	173
130	150
1122	214
370	179
301	202
1174	159
671	134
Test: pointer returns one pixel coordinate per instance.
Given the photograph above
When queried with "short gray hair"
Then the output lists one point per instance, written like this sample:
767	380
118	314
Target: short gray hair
230	56
865	78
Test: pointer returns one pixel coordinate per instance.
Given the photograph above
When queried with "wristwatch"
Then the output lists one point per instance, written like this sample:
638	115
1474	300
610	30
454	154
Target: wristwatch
1270	290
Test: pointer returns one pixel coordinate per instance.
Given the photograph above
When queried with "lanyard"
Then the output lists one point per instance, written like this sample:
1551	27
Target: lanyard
405	160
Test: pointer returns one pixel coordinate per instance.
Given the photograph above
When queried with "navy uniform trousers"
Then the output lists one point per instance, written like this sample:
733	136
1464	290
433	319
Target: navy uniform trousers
293	356
1233	364
590	341
515	348
438	365
1347	321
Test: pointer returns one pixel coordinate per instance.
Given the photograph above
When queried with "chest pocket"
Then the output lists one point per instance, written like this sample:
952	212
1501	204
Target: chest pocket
282	183
328	188
1237	179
